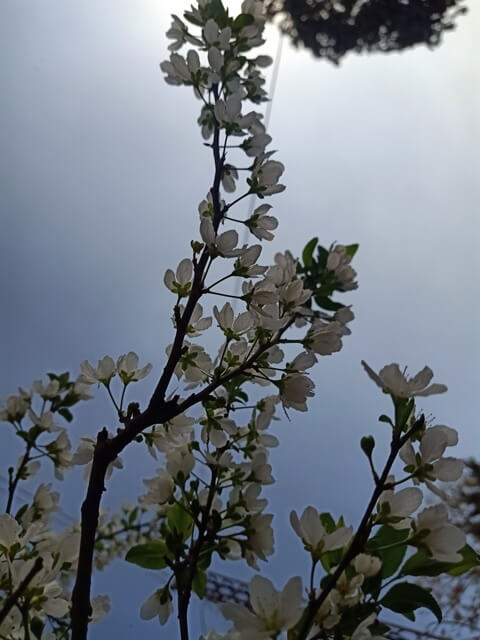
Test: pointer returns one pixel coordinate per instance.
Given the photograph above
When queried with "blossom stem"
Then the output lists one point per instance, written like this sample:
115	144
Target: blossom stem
234	202
214	284
12	484
107	387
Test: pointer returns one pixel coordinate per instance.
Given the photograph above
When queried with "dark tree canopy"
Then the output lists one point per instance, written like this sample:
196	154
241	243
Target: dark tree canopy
332	28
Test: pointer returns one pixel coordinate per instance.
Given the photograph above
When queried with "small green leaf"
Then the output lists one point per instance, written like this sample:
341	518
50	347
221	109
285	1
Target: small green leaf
133	515
328	522
351	249
180	521
406	597
384	418
20	512
307	254
470	559
199	583
322	256
403	410
242	20
190	18
37	626
65	413
150	555
328	304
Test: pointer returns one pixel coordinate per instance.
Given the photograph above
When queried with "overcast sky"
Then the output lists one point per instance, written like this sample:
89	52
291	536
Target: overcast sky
102	169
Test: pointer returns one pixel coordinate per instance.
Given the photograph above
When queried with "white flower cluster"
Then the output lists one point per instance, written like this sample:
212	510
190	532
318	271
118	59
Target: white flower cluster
26	540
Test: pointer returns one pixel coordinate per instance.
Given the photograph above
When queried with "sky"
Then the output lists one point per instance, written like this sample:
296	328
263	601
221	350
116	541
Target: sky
101	171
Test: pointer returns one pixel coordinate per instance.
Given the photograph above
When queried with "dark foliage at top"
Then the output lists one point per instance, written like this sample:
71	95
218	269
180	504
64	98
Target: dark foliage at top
332	28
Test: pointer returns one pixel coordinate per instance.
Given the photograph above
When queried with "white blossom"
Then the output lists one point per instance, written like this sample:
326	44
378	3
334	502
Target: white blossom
267	173
230	325
432	447
45	421
324	338
295	388
160	488
158	604
127	368
61	453
16	408
367	565
197	322
347	592
260	538
84	456
176	33
338	261
401	504
51	602
180	281
246	265
100	607
47	392
311	530
228	112
262	225
103	373
444	540
9	531
223	244
396	383
272	611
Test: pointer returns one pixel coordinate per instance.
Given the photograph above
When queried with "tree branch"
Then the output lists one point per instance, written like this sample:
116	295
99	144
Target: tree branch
361	536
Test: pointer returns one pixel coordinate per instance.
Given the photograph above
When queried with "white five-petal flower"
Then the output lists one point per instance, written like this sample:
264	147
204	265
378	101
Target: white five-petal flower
396	383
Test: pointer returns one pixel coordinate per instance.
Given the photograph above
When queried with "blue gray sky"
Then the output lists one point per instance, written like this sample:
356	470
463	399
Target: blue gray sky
102	168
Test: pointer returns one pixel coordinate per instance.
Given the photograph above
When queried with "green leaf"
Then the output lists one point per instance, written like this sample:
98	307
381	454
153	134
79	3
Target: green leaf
20	512
387	544
421	564
384	418
470	559
328	522
37	626
188	16
242	20
406	597
351	249
373	585
322	256
180	521
218	12
65	413
327	304
307	254
150	555
133	515
403	410
199	583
